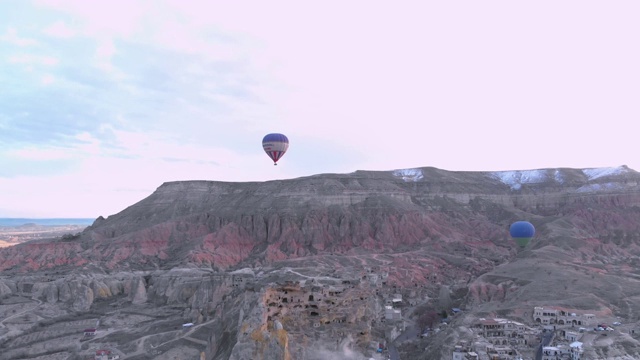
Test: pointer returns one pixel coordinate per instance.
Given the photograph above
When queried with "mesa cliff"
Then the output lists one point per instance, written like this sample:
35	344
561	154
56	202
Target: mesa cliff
225	225
308	267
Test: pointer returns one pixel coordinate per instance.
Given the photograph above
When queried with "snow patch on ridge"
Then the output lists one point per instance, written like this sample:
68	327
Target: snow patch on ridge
595	173
247	271
599	187
558	176
409	174
516	178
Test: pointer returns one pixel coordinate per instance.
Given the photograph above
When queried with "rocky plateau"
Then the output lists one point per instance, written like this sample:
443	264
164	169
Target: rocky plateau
330	266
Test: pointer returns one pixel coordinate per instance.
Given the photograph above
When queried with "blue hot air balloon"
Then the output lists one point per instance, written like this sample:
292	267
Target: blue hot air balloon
522	232
275	145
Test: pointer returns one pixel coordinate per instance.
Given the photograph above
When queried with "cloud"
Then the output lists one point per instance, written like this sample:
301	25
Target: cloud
11	36
39	154
106	50
153	91
96	19
48	79
29	59
153	53
60	29
158	88
82	179
35	161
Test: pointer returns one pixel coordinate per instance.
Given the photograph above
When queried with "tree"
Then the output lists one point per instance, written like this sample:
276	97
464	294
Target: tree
444	297
427	320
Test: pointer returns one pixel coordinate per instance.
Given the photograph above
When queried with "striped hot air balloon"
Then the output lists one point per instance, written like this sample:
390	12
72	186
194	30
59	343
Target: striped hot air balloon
275	145
522	232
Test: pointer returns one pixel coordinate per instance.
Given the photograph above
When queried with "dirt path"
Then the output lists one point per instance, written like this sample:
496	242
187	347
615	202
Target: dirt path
20	313
140	349
312	277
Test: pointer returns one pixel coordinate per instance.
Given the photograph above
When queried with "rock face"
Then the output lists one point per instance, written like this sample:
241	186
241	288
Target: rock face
5	290
305	268
226	225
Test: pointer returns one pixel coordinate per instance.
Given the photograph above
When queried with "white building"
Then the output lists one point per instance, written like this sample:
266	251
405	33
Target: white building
559	316
572	336
466	355
464	352
555	353
392	314
576	350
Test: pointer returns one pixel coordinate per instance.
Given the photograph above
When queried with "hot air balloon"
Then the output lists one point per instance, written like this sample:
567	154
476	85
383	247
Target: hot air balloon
275	145
522	232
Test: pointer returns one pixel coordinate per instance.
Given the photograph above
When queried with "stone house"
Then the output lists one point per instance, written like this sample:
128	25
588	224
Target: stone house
392	314
495	352
463	351
571	335
396	300
373	278
555	353
471	355
560	316
503	331
561	352
576	350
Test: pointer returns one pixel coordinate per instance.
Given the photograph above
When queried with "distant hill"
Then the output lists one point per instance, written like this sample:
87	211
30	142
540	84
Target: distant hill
45	221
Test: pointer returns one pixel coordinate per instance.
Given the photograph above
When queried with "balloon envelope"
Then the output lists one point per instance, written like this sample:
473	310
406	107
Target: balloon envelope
522	232
275	145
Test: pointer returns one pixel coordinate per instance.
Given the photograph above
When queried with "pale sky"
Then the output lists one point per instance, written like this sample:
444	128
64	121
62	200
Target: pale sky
103	101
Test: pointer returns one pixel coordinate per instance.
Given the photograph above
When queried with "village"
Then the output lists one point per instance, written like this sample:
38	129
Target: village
556	334
325	304
364	306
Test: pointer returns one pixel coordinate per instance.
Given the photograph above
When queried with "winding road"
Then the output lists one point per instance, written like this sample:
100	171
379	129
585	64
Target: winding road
2	325
20	313
141	344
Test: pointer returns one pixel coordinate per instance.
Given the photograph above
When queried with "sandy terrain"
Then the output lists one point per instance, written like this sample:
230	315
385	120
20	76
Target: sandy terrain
12	235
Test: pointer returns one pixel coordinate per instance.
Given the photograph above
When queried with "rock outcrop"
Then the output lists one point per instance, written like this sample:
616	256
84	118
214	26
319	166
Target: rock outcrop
227	225
308	267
